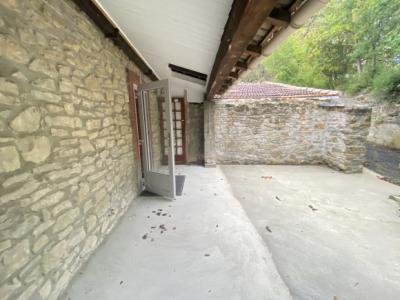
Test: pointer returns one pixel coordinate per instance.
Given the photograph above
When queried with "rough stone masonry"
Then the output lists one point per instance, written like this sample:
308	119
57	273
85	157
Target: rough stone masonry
67	167
289	131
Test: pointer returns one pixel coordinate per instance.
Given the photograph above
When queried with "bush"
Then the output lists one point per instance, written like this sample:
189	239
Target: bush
386	85
357	83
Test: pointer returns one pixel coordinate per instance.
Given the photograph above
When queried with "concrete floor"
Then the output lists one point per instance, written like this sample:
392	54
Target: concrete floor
208	250
331	235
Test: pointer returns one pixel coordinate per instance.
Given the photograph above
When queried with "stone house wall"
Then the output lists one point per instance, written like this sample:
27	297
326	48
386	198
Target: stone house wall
67	167
196	133
289	131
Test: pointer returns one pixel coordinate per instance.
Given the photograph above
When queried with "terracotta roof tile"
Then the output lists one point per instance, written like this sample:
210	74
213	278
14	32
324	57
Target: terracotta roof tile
260	90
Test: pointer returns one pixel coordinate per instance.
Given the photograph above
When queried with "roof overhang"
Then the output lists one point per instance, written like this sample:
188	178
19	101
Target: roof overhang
187	33
182	33
254	29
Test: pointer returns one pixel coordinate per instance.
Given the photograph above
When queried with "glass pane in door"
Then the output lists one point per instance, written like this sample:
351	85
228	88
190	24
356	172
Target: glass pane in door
156	130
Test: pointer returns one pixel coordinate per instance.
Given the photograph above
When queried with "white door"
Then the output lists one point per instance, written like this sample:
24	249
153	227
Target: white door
156	126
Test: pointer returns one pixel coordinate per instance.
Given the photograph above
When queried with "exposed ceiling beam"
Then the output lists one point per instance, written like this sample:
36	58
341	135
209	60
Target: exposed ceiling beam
254	50
245	18
279	17
268	37
234	75
241	65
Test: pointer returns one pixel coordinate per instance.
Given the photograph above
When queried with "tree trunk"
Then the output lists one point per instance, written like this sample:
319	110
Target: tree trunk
359	66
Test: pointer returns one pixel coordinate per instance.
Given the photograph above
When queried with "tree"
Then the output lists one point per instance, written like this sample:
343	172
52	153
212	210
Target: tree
346	46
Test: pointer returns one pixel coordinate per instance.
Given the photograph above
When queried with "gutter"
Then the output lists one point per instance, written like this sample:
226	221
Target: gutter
298	20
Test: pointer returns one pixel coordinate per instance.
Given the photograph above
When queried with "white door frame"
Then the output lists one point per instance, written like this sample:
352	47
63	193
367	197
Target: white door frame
158	183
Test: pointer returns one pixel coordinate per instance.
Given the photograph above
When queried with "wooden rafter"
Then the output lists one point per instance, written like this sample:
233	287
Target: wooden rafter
279	17
245	18
254	50
269	36
234	75
241	65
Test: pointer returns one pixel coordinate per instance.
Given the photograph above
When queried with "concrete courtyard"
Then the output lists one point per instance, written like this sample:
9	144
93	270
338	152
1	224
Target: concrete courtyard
201	246
331	235
253	232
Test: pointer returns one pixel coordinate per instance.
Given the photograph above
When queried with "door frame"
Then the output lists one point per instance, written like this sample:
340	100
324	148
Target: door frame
154	181
134	80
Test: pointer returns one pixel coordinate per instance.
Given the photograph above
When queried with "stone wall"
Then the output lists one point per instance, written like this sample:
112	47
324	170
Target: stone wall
385	124
209	134
196	133
268	131
289	131
345	137
67	167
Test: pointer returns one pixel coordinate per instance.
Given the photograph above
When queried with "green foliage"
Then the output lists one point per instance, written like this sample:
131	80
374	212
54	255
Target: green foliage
259	74
351	45
386	85
356	83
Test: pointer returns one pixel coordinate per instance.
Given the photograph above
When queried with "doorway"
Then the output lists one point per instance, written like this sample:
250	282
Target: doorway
151	120
157	138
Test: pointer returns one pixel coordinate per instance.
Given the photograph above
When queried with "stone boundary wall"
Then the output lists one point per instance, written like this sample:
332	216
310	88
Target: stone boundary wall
288	131
385	124
346	130
67	167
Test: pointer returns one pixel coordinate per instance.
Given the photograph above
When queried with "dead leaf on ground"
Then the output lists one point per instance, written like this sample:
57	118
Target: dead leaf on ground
312	208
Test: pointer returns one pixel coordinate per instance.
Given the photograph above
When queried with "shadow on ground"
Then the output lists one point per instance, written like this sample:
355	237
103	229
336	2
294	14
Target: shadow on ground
384	161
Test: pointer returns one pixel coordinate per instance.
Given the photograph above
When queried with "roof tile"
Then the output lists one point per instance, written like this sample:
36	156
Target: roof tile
266	89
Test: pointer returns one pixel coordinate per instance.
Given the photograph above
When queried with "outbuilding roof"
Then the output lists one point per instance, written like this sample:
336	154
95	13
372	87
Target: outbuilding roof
266	89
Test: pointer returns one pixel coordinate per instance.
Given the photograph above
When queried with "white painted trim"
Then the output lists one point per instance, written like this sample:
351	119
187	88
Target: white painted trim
96	2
